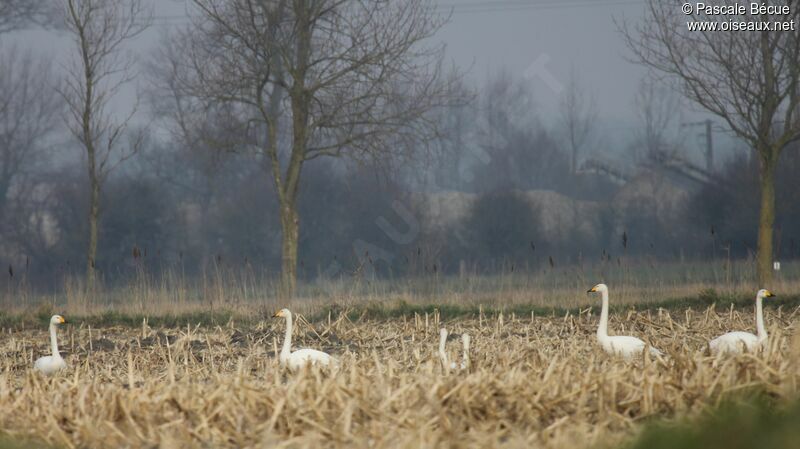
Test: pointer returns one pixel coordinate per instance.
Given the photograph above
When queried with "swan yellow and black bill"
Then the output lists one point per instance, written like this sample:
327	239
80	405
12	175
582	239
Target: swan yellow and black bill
769	294
278	314
592	290
62	320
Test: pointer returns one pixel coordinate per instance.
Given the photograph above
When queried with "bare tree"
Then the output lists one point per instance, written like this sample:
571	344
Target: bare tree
749	79
657	108
28	110
100	29
18	14
309	79
577	117
518	153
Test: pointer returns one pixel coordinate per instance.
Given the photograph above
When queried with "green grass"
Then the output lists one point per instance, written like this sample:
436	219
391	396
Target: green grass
112	318
384	310
7	443
735	425
381	310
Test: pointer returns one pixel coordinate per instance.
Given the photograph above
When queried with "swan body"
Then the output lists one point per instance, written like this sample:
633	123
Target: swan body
465	340
51	364
301	358
623	346
465	347
737	342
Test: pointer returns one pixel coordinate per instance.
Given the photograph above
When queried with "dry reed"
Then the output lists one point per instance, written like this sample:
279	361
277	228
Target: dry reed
538	382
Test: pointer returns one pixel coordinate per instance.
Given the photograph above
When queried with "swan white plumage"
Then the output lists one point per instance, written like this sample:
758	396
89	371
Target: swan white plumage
443	353
620	345
446	365
736	342
465	348
52	363
299	359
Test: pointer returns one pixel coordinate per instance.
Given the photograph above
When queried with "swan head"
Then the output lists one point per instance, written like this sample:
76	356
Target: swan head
764	293
282	313
598	288
57	319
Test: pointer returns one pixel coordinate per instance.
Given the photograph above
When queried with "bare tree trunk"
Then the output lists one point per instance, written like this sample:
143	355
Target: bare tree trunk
574	157
766	217
300	101
290	232
94	180
94	213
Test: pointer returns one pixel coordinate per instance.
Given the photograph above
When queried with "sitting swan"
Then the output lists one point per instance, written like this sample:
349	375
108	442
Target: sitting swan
52	363
735	342
443	353
298	359
621	345
465	347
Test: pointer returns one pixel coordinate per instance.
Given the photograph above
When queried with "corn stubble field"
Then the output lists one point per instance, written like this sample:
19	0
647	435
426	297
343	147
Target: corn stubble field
532	382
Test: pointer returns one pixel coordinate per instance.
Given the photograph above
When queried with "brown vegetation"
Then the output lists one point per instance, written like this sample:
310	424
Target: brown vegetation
533	381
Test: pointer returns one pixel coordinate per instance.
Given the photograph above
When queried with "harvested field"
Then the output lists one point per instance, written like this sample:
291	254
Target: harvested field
540	382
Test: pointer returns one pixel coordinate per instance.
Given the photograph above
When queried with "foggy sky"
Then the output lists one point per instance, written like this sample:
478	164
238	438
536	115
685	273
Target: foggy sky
486	36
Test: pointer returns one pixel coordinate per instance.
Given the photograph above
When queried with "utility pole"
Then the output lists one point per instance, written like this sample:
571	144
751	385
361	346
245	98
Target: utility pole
709	147
708	134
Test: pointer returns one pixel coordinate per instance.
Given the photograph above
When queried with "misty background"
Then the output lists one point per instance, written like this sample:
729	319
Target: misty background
565	153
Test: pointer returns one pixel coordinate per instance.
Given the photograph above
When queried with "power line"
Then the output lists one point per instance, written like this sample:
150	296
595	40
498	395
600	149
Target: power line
474	7
518	5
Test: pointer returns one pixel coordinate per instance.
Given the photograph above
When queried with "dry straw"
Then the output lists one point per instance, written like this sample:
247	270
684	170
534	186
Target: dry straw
532	383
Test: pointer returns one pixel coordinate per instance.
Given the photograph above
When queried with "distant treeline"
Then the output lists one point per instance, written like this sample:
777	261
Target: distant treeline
497	195
355	221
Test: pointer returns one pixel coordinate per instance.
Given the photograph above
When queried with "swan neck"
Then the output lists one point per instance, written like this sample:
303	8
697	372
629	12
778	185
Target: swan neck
602	329
287	339
54	341
762	331
442	352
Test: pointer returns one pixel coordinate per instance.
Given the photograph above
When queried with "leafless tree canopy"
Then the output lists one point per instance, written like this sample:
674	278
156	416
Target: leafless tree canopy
98	71
577	116
29	110
750	79
658	109
367	74
17	14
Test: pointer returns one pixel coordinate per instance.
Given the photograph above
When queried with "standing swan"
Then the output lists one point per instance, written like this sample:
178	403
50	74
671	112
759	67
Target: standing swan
299	359
52	363
621	345
734	342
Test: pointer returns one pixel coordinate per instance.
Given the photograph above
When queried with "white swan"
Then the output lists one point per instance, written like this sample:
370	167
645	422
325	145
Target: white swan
465	347
446	365
298	359
52	363
736	342
621	345
443	353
